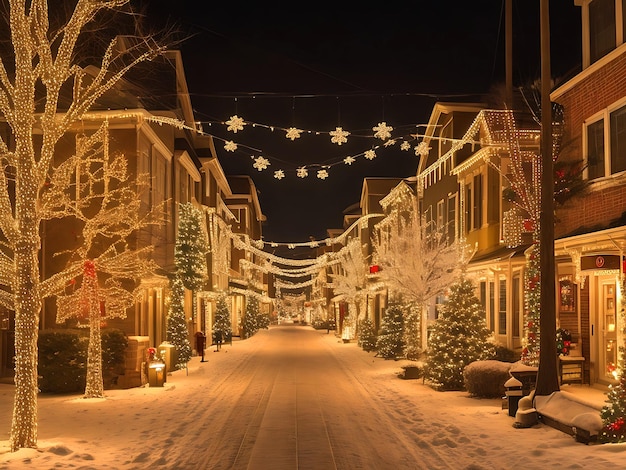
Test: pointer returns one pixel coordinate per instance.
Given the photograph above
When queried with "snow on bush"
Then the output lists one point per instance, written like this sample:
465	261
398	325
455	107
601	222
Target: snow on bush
486	378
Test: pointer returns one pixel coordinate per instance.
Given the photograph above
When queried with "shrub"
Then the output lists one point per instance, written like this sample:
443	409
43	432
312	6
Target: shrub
62	361
486	379
506	355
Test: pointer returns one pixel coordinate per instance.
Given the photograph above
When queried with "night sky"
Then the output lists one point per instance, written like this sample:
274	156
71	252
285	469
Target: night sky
319	65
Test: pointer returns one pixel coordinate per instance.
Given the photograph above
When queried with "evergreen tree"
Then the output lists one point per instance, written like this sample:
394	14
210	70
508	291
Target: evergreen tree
222	317
458	337
613	414
412	327
367	336
390	343
177	333
253	320
191	247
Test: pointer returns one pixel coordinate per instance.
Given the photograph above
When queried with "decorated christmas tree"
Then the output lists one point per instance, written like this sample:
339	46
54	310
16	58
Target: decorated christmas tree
367	336
177	333
253	320
222	322
458	337
412	326
613	414
390	343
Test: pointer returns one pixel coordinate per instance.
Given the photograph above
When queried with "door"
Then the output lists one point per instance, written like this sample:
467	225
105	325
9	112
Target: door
608	318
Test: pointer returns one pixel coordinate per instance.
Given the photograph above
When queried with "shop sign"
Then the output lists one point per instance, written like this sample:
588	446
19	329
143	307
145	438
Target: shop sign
600	262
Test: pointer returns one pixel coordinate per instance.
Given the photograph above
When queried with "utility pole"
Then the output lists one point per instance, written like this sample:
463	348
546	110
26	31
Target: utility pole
547	375
508	53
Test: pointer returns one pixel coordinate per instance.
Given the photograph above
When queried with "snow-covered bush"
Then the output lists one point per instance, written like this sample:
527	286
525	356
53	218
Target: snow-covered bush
486	378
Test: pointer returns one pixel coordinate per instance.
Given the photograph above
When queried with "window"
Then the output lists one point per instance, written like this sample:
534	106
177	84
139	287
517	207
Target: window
602	28
618	140
477	202
517	310
452	218
493	196
502	308
468	208
595	149
440	215
605	158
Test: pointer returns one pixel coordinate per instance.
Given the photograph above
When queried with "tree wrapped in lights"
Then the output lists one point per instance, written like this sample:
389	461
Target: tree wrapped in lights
253	319
350	281
222	322
95	189
41	63
458	337
177	333
390	342
367	335
417	263
191	248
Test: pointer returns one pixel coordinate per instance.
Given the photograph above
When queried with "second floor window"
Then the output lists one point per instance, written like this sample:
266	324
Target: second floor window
606	148
602	28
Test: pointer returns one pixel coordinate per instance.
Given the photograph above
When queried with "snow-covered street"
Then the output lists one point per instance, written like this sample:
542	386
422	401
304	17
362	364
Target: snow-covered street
291	398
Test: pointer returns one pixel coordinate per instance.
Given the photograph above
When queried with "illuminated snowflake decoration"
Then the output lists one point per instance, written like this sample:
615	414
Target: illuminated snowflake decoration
235	123
338	136
261	163
293	133
390	142
405	146
322	174
302	172
349	160
421	149
230	146
370	154
382	131
279	174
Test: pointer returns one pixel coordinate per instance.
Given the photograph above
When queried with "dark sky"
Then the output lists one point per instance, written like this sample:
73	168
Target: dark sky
319	65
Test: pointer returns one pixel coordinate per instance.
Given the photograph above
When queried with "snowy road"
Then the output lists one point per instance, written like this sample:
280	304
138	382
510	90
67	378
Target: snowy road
290	398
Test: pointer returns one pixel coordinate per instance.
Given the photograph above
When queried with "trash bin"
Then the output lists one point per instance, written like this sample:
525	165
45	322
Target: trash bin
169	355
156	374
513	394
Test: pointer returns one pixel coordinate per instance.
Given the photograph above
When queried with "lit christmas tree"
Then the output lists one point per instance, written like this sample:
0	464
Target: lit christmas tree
191	249
532	308
177	333
390	342
412	330
458	337
44	61
367	336
222	317
253	320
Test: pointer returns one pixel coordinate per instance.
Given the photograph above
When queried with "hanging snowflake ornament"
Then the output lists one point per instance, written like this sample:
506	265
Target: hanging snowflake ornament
235	123
260	163
390	142
338	136
422	149
405	146
293	133
349	160
370	154
230	146
322	174
279	174
382	131
302	172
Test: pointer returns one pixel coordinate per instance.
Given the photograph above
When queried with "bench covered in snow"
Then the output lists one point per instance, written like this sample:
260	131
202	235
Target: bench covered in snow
570	414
